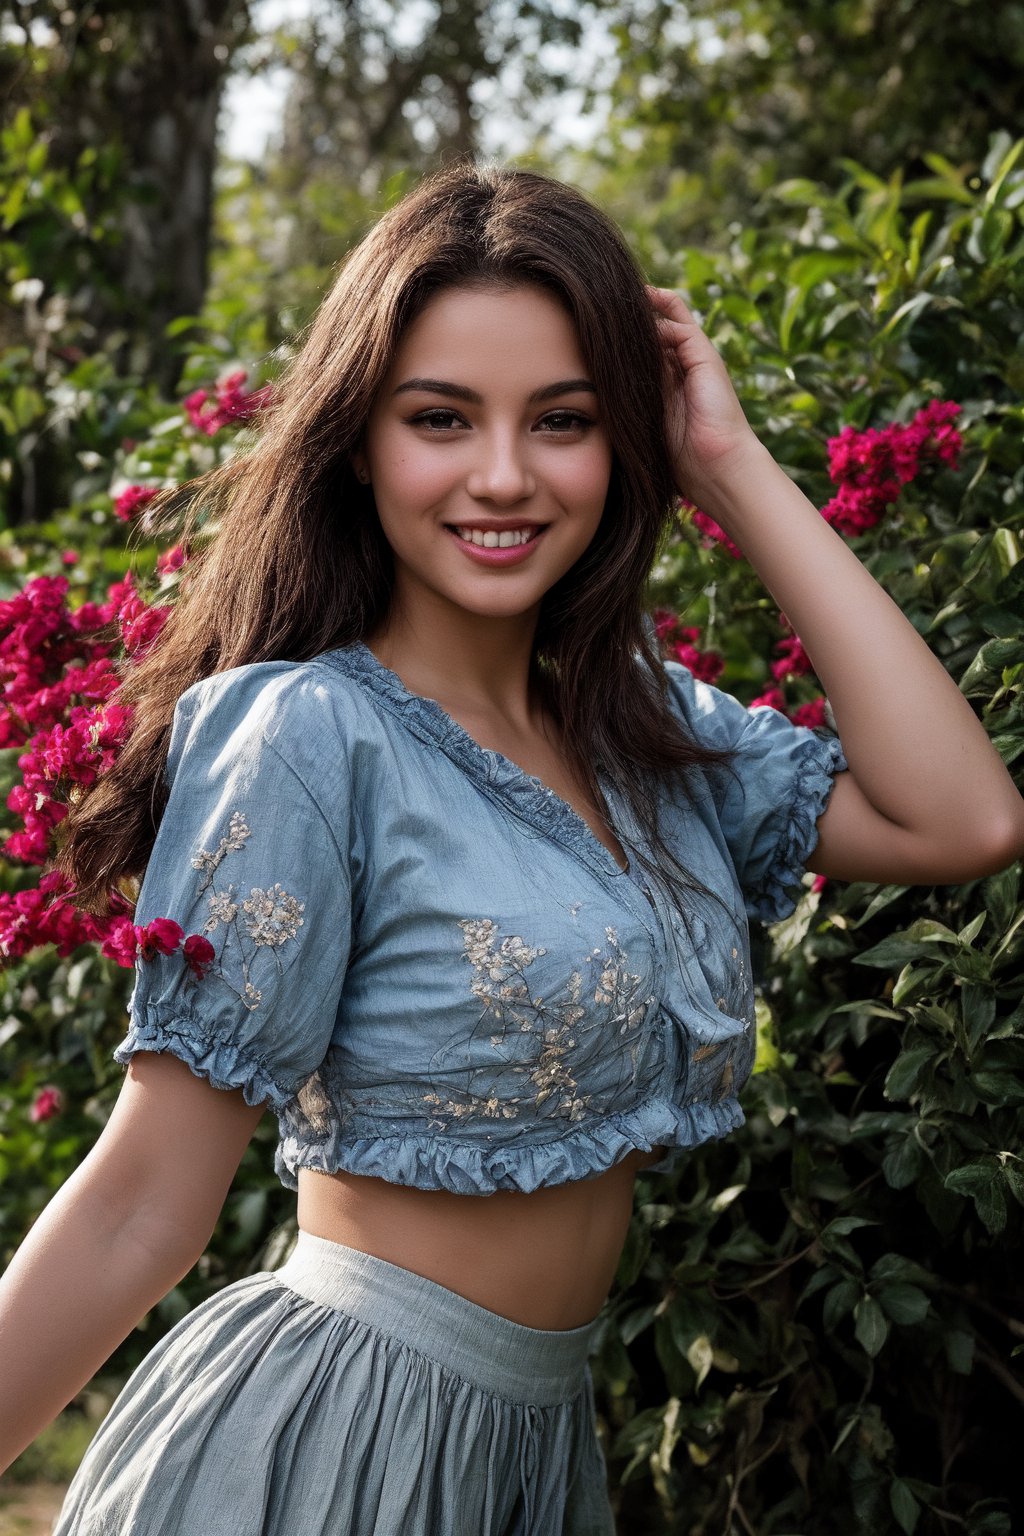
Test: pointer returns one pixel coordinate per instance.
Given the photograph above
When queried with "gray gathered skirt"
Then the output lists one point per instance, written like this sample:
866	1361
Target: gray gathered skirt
341	1395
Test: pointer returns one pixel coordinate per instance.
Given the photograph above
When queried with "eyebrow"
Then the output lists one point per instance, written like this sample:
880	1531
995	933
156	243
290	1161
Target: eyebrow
460	391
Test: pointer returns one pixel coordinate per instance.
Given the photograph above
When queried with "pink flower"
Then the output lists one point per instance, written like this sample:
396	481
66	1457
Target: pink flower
199	953
120	943
170	559
812	714
819	883
773	698
69	557
870	466
707	666
132	500
715	535
231	403
194	407
48	1102
160	937
665	623
235	403
793	661
141	623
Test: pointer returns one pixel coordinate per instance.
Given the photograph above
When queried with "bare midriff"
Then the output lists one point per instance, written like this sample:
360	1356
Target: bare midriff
546	1259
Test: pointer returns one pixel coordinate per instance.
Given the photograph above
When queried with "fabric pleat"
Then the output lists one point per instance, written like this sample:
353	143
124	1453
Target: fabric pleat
267	1413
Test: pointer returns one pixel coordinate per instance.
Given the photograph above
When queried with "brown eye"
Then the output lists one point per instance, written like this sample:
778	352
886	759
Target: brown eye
438	418
566	421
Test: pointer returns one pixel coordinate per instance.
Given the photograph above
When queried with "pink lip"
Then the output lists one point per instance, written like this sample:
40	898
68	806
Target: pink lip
512	555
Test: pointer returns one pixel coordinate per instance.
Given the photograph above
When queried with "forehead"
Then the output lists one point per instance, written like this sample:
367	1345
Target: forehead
521	330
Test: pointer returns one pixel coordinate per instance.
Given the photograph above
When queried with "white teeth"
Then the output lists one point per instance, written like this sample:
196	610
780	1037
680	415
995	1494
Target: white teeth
492	540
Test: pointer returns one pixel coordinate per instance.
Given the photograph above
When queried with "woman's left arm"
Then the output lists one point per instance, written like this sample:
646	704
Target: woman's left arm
927	799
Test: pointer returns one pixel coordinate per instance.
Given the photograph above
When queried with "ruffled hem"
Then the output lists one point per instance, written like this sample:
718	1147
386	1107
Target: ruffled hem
426	1161
822	757
218	1061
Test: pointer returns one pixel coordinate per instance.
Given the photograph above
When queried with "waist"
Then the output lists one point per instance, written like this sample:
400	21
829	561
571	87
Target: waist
545	1260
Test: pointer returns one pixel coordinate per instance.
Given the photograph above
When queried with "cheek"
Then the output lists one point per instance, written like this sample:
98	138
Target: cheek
586	478
409	477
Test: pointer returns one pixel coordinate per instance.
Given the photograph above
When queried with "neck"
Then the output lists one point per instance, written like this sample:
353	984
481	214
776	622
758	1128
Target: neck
485	663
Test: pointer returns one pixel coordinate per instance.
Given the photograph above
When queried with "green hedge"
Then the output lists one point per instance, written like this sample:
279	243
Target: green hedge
816	1323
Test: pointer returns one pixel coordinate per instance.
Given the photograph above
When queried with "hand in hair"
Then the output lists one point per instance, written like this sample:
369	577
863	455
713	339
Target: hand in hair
704	421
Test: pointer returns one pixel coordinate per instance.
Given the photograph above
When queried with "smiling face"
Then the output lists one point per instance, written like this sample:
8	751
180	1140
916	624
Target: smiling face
486	432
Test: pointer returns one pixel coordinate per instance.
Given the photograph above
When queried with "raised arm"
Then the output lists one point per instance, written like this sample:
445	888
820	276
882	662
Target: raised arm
117	1236
927	798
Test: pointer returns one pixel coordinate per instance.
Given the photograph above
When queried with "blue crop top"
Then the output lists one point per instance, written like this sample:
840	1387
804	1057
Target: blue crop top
425	960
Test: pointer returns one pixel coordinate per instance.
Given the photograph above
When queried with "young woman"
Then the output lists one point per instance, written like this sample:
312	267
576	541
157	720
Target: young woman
464	873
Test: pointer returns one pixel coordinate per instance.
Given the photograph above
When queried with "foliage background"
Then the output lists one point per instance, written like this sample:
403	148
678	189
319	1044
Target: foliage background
817	1324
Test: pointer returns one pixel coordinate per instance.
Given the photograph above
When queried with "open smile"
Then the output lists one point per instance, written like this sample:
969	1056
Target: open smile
493	546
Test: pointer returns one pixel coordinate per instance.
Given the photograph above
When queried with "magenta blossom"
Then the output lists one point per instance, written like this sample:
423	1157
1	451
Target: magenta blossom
713	534
160	937
229	403
707	666
773	698
793	660
199	953
871	465
812	714
170	560
131	501
48	1102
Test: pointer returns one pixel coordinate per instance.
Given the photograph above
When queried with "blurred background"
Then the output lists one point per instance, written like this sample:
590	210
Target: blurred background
817	1326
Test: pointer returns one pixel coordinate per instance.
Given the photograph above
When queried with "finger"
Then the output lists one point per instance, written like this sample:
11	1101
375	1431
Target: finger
674	330
670	303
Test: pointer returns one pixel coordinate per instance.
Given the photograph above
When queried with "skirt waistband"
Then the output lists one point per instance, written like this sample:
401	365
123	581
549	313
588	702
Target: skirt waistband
507	1359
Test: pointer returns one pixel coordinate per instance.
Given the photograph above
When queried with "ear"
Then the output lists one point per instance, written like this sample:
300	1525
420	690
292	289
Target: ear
360	467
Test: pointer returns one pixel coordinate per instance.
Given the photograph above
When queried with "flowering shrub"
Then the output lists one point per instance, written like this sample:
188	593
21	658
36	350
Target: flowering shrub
230	402
816	1322
67	634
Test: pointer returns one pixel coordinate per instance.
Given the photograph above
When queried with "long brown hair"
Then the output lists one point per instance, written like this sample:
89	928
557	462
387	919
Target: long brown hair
289	558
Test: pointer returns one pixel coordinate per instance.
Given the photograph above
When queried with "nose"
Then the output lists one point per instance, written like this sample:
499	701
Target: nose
501	471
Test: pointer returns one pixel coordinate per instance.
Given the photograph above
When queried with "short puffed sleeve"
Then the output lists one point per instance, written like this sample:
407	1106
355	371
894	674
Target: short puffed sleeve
250	861
769	803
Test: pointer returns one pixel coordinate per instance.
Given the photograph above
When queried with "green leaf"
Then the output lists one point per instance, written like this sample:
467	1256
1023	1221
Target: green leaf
913	982
881	899
1000	893
182	323
841	1299
983	1182
902	1077
917	942
978	1010
903	1163
894	1268
990	660
996	1087
904	1506
842	1225
904	1303
1013	1173
869	1325
959	1347
968	934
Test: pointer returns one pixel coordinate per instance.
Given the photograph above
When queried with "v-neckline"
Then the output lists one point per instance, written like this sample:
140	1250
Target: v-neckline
525	794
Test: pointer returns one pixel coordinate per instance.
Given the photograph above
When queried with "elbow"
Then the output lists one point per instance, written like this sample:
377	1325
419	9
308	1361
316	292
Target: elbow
1007	846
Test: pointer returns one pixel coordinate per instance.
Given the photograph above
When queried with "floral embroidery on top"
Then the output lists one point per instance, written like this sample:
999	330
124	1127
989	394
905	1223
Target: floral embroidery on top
545	1045
268	918
209	862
